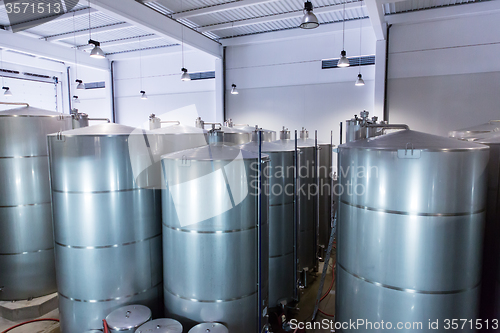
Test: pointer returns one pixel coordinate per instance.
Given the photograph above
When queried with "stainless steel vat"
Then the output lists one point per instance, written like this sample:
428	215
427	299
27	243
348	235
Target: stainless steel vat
128	318
211	236
107	227
26	236
179	137
232	136
267	135
489	134
410	230
306	200
161	326
209	327
281	174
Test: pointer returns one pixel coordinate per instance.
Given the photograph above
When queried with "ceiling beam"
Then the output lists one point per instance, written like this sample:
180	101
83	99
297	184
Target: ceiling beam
217	8
284	16
85	32
148	19
35	22
377	18
131	40
145	53
40	48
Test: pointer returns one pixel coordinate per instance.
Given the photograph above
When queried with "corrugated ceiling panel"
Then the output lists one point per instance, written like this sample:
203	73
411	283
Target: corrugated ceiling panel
130	48
414	5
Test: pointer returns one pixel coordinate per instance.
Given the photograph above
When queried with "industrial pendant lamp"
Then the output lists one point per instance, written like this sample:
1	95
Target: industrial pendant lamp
343	61
142	92
75	99
309	20
360	82
96	52
143	95
7	92
234	91
79	82
185	75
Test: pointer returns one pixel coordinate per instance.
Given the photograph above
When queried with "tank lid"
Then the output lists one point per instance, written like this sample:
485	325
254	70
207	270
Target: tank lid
29	111
408	139
161	326
179	129
477	132
209	328
232	130
128	317
493	139
267	147
215	152
104	130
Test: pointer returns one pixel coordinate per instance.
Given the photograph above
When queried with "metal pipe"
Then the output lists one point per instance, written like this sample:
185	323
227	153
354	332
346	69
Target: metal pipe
296	221
100	119
340	132
13	103
259	205
113	107
68	77
386	78
316	226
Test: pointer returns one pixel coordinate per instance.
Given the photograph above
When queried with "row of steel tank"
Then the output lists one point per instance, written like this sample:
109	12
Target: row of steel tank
105	184
410	229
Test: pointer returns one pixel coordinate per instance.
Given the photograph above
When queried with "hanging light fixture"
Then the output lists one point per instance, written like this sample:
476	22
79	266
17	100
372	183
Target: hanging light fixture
360	82
343	61
142	92
96	52
7	92
75	99
185	75
234	91
80	84
143	95
309	20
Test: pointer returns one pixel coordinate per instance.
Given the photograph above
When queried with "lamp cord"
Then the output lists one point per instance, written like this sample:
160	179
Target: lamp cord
140	61
360	43
90	26
343	27
182	39
74	41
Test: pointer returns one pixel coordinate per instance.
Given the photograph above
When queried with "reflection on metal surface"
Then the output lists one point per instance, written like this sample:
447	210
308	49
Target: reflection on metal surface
109	299
106	246
210	301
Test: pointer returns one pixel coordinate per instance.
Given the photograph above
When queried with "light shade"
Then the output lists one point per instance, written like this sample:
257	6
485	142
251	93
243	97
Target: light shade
75	99
234	91
97	52
80	84
343	61
360	81
7	92
185	75
143	95
309	20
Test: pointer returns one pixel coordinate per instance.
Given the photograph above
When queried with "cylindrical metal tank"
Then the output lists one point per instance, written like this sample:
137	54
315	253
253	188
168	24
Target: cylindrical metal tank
161	326
107	227
281	174
209	327
410	230
213	263
489	134
26	236
179	137
233	136
128	318
267	135
306	201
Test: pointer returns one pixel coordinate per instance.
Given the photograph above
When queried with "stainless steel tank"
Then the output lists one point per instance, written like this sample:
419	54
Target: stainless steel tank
128	318
410	230
161	326
213	264
306	201
107	227
26	236
209	328
267	135
489	134
281	174
179	137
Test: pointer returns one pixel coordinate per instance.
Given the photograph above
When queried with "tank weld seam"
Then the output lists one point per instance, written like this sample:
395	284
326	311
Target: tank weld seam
27	156
28	252
397	212
407	290
106	246
107	191
28	205
281	255
109	299
208	232
281	204
209	301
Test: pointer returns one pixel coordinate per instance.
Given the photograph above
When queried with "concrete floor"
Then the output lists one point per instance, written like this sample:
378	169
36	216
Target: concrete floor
41	327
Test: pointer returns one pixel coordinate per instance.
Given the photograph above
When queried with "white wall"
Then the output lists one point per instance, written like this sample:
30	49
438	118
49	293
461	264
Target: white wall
445	75
281	82
168	97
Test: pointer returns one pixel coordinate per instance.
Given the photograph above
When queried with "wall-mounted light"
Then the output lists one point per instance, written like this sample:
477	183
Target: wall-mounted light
143	95
360	81
234	91
309	20
7	92
80	84
185	75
